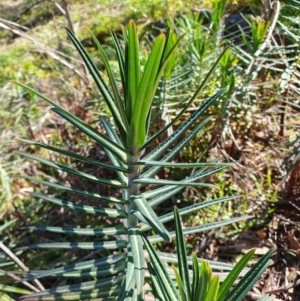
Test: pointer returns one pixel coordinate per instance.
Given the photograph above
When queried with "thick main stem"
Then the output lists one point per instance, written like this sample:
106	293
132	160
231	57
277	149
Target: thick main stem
133	188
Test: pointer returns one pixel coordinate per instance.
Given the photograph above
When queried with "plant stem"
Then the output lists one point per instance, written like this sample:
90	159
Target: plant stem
133	188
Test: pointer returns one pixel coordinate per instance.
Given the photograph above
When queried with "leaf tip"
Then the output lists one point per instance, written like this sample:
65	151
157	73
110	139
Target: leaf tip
131	22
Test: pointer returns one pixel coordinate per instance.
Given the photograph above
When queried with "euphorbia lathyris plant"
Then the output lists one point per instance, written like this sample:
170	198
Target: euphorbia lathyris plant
121	275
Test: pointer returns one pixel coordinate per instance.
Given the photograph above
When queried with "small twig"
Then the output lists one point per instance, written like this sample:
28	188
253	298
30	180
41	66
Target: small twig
71	27
13	276
258	52
283	289
10	254
287	220
255	296
67	14
294	205
7	25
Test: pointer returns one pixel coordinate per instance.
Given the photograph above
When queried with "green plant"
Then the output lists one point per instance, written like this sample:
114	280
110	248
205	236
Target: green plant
258	30
8	263
204	286
121	275
289	89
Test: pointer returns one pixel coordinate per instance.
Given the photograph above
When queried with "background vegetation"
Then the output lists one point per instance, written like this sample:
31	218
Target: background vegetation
255	125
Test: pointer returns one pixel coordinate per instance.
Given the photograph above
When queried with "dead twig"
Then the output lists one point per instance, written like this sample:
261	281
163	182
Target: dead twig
52	53
13	257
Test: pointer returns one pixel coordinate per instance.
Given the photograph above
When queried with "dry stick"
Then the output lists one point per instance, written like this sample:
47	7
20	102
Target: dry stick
294	205
56	27
287	220
283	288
267	9
13	276
274	19
251	65
255	296
54	54
64	9
266	42
282	114
10	254
67	14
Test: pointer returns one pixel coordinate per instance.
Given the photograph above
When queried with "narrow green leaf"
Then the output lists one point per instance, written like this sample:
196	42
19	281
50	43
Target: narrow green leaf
134	68
103	271
171	41
203	173
233	275
156	195
158	289
248	281
120	59
117	230
13	289
174	151
213	289
200	174
99	294
137	131
202	85
90	289
112	213
102	86
167	143
139	216
196	272
168	54
105	261
114	86
154	202
161	271
83	192
182	256
196	229
103	245
204	280
98	137
113	183
129	279
93	273
136	244
213	225
189	209
148	181
6	224
180	285
82	286
75	156
5	297
113	159
172	258
158	192
145	209
112	135
181	165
